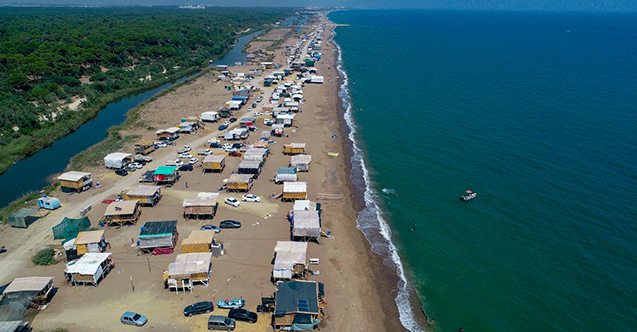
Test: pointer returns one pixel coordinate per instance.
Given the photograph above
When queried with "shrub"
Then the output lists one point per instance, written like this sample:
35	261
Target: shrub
44	257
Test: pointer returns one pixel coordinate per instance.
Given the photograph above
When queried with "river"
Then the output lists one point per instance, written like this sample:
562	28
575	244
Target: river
34	173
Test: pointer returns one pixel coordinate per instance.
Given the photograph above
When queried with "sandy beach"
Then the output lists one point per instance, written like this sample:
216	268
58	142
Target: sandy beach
358	286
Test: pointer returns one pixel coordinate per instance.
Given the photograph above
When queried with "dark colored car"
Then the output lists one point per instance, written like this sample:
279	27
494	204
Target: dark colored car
234	154
233	120
215	145
199	308
222	127
244	315
186	167
229	224
121	172
238	145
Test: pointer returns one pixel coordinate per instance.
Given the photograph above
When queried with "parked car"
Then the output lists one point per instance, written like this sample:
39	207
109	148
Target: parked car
223	127
229	224
234	154
233	120
210	228
186	148
129	168
132	318
215	145
161	145
254	105
244	315
121	172
232	201
176	162
185	155
257	113
186	168
137	165
227	123
238	145
222	323
229	149
193	161
251	198
198	308
250	109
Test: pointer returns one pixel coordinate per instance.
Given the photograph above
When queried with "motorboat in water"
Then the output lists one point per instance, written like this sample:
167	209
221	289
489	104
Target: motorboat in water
468	196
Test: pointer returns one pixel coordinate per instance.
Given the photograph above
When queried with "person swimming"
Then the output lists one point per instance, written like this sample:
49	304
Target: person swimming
413	228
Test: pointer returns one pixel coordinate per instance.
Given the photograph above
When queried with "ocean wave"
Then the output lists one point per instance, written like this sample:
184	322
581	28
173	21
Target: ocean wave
370	220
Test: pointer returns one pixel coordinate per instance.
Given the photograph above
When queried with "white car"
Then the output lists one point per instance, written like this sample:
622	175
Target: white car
186	148
185	155
267	113
161	145
193	161
229	149
249	109
232	201
137	165
257	113
227	123
251	198
207	152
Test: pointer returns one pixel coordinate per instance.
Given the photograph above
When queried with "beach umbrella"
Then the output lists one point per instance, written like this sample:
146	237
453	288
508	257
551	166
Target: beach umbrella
468	191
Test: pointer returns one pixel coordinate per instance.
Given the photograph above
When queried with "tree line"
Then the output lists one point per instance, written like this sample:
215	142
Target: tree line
50	56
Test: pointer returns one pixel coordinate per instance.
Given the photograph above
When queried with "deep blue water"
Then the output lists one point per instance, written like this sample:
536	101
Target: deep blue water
533	111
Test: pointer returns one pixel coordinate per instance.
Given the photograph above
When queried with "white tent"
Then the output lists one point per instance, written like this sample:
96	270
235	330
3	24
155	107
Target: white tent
289	255
209	116
117	159
301	162
89	269
306	224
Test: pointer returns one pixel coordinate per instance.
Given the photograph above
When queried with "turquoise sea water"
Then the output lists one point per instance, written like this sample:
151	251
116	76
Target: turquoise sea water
533	111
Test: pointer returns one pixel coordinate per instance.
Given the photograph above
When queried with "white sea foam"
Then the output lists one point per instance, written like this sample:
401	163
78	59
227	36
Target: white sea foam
370	220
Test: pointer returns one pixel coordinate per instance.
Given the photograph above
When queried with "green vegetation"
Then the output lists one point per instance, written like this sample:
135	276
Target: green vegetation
44	257
52	56
25	201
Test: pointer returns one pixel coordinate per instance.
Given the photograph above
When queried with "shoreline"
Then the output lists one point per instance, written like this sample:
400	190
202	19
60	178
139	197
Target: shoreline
389	261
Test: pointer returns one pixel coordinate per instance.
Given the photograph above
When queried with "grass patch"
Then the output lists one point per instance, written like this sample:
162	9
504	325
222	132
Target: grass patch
44	257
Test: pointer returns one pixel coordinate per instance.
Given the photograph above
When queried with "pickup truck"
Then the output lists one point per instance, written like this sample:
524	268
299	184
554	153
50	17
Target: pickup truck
143	159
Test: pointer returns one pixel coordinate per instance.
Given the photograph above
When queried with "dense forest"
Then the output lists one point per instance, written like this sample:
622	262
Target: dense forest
52	56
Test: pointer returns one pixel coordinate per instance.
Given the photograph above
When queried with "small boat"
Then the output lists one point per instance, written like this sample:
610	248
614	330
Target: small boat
231	304
468	196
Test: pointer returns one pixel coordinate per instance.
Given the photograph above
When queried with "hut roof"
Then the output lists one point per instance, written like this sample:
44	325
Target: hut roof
306	223
165	170
296	296
158	228
240	178
301	159
123	207
87	264
294	187
188	264
73	176
201	201
289	253
89	237
28	284
144	191
202	236
214	158
252	164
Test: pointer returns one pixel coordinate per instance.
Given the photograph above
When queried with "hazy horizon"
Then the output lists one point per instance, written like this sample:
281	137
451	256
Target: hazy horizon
492	5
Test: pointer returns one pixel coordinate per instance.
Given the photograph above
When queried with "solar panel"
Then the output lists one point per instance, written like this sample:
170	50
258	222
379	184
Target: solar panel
303	305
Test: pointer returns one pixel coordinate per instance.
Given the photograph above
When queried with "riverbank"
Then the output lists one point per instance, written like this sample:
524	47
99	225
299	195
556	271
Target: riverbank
358	286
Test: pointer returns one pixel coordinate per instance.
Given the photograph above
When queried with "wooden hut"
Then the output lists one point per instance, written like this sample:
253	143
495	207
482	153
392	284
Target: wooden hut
75	181
294	190
306	225
240	182
294	148
277	130
37	289
123	212
171	132
146	195
256	153
301	162
166	174
90	241
158	234
296	302
188	269
214	163
290	260
144	147
250	167
201	241
205	205
89	269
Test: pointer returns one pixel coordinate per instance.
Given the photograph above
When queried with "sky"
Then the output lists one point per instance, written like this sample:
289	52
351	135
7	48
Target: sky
508	5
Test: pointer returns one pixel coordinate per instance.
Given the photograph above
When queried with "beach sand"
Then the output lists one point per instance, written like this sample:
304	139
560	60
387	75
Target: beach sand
359	288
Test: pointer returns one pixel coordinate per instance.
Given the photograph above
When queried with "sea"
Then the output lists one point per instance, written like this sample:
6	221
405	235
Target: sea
533	111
